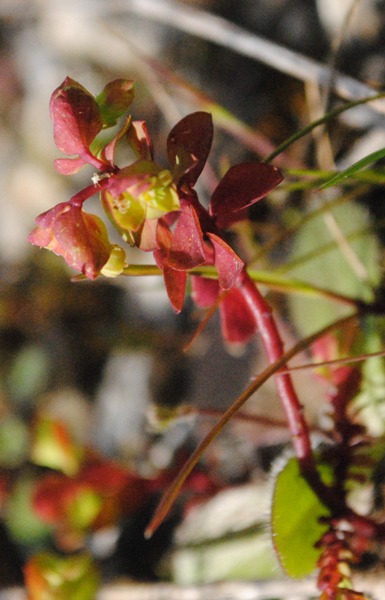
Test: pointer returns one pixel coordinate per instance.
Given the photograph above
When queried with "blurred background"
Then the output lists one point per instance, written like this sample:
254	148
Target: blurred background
107	358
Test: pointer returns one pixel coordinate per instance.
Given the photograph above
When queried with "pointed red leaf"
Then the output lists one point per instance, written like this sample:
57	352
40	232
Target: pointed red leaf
227	262
76	117
175	282
188	146
242	186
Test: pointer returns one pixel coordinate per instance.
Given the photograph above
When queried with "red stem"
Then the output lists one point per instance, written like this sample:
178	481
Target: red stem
94	188
298	426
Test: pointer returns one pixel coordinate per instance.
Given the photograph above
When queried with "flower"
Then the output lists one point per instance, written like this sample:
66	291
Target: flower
153	208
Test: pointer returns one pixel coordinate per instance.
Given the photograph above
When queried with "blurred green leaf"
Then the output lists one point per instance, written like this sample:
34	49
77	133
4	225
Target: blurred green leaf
296	528
53	447
371	401
22	522
317	259
29	373
53	577
84	508
14	442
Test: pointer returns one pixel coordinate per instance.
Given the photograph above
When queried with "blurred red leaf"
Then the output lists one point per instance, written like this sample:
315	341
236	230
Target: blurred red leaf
53	496
237	320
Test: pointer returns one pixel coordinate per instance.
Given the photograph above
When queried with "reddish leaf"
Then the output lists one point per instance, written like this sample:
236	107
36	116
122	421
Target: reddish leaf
68	166
175	281
227	262
242	186
114	100
163	242
188	146
53	495
105	476
186	250
238	323
123	490
76	117
79	237
237	320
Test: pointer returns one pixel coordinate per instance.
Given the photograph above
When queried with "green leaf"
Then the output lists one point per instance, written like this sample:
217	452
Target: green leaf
14	440
29	373
114	100
295	521
357	166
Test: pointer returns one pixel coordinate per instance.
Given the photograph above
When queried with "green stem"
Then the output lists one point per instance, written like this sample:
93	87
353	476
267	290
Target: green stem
270	280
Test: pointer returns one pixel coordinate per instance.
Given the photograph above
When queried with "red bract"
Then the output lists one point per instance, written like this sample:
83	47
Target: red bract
79	237
77	121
